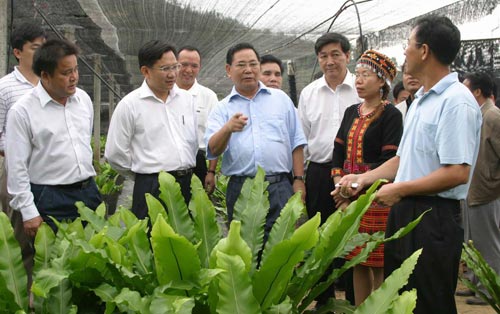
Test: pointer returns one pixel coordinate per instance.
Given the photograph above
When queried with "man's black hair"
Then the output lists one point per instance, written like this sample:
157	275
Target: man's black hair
334	38
441	35
153	51
48	55
238	47
272	59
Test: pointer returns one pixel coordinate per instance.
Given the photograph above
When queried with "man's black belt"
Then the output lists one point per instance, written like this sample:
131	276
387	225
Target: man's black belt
181	173
272	178
75	186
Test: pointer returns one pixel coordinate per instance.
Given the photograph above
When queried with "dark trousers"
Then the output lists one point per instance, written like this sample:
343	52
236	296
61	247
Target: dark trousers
319	185
58	201
280	190
148	183
201	166
440	236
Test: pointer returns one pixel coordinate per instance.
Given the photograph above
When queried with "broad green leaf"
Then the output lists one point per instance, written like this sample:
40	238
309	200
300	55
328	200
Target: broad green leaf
11	264
233	244
101	210
175	257
178	215
285	307
335	233
171	304
381	300
488	278
106	292
334	306
7	300
46	279
405	304
44	241
59	299
251	209
155	208
128	300
271	280
136	240
284	226
90	216
235	287
205	221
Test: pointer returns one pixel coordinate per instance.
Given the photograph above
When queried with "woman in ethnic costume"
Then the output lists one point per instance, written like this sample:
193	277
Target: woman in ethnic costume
368	136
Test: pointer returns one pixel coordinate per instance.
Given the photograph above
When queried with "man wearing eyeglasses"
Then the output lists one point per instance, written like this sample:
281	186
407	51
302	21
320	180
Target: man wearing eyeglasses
256	126
154	128
205	99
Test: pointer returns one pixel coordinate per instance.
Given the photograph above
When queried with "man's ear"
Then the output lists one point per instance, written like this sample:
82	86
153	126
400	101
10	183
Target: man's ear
17	53
228	70
477	93
426	52
145	71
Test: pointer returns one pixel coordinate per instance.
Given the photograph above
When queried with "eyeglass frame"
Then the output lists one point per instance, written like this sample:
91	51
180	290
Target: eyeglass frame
168	68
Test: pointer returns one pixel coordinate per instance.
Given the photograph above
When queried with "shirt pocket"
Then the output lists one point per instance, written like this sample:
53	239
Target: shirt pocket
273	129
425	141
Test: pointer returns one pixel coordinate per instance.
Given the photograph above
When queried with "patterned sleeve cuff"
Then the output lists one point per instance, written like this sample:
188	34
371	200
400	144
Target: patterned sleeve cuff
337	172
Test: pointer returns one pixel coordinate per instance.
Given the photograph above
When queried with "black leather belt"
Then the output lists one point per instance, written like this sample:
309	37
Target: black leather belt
181	173
75	186
272	178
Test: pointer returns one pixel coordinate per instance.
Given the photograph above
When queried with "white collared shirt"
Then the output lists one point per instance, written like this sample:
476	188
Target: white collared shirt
204	100
321	110
12	87
47	143
147	135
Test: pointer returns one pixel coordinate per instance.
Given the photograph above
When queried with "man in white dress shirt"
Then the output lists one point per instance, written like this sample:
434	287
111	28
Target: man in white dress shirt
49	158
321	109
25	39
154	128
205	99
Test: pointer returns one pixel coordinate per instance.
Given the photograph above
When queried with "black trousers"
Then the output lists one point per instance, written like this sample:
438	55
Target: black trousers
59	201
201	166
148	183
319	185
441	236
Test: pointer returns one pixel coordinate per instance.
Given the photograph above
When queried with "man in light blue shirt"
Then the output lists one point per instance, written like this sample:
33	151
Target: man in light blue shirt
432	168
256	126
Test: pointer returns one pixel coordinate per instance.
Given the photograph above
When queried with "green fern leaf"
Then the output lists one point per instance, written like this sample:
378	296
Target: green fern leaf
178	215
271	280
205	221
251	209
234	287
11	263
175	257
381	300
233	244
284	226
44	242
405	303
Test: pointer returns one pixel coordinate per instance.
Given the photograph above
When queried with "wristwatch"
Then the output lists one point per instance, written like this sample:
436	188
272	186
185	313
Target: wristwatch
301	178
